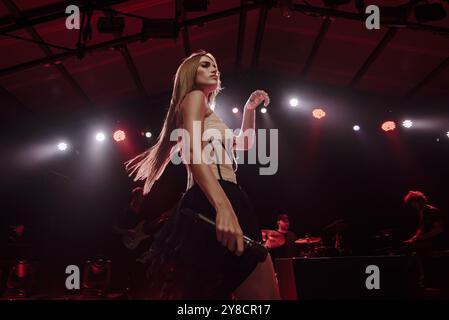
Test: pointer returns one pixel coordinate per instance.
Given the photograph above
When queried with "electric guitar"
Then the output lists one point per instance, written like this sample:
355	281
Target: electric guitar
132	238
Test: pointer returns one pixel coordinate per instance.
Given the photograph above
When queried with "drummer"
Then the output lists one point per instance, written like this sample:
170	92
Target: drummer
288	249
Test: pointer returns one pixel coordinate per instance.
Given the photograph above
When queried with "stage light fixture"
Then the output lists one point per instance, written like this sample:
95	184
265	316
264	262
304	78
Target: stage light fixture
388	126
393	15
119	135
21	280
429	12
356	128
62	146
263	110
96	278
100	136
407	123
318	113
294	102
235	110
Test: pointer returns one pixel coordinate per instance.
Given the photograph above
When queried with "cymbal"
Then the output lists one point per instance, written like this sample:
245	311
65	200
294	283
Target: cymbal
308	240
274	238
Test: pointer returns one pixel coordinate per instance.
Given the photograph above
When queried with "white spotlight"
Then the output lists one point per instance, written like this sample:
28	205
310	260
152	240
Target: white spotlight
294	102
447	134
100	136
407	123
62	146
148	134
263	110
235	110
356	128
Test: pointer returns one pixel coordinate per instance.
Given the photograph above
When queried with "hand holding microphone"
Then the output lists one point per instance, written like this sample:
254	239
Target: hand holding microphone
255	248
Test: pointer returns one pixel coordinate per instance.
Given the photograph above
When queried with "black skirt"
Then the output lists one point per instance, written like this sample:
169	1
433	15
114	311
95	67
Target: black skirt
185	260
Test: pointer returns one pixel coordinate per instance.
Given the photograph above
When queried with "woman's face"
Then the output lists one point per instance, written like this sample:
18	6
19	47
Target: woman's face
207	74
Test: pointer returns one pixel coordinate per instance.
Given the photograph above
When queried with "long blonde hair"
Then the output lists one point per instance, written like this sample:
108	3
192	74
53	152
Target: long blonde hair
150	164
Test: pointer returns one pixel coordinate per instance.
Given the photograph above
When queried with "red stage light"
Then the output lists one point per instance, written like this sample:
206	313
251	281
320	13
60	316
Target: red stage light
119	135
318	113
388	126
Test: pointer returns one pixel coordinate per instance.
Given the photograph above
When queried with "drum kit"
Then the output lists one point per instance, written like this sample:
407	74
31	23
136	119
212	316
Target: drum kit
273	239
308	246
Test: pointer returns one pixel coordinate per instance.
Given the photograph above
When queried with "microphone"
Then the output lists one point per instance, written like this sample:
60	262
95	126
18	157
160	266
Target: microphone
255	248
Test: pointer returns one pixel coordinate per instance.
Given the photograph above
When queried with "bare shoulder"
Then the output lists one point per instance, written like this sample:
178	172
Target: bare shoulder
194	101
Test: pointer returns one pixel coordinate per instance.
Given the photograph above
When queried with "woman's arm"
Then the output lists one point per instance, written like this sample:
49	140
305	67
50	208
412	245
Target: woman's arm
245	139
247	136
229	233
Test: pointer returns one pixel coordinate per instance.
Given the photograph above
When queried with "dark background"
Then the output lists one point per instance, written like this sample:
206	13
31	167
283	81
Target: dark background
70	201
